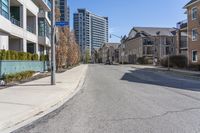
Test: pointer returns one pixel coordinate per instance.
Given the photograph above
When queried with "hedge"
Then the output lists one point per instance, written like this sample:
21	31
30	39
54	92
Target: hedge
18	76
144	60
14	55
177	61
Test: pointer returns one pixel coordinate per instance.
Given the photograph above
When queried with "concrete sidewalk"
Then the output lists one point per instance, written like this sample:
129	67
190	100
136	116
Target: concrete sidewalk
27	102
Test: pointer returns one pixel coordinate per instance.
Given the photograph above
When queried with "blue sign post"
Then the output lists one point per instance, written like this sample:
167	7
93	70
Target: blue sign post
62	24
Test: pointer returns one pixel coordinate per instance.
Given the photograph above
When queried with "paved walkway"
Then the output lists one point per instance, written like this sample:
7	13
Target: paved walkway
26	102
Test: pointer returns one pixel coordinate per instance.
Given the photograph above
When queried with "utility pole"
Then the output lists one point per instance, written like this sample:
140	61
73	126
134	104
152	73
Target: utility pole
53	58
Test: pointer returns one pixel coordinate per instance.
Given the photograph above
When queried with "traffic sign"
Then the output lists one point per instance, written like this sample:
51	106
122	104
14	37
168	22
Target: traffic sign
62	23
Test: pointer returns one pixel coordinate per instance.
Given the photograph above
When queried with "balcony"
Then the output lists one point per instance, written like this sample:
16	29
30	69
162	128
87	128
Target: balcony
44	4
14	21
16	15
182	24
31	22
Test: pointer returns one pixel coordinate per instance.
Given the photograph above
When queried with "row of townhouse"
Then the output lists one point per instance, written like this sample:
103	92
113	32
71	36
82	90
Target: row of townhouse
155	43
152	43
25	25
188	37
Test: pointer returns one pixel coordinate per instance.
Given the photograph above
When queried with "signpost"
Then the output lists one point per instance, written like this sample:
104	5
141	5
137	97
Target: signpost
53	57
54	24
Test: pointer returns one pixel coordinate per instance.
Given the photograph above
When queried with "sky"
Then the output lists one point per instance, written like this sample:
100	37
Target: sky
125	14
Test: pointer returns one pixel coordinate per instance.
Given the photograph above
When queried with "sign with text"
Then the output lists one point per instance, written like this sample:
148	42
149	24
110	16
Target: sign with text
62	24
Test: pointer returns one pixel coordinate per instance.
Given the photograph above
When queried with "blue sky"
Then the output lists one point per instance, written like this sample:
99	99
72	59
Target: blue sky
124	14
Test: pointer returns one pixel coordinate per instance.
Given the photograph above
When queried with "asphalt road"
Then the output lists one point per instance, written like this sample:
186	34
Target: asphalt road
121	99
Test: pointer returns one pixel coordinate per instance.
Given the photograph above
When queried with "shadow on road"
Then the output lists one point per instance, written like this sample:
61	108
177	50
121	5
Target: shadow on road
144	76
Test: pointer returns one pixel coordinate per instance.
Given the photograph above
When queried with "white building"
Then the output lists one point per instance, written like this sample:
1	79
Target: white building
24	25
91	30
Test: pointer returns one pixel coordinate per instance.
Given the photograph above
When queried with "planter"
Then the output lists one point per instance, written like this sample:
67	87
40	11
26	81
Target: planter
15	66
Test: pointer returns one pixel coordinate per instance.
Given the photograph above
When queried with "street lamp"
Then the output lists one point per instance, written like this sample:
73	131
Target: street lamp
53	58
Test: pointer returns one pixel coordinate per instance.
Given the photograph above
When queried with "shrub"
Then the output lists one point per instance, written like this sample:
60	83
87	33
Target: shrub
194	67
3	55
46	58
177	61
35	57
13	55
22	56
29	56
8	56
143	60
42	57
18	76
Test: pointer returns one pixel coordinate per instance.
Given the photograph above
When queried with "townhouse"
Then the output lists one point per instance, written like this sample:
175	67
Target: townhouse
25	25
193	30
147	42
109	51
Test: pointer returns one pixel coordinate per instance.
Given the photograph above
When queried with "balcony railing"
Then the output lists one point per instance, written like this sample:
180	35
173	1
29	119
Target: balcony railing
183	44
30	29
48	3
14	21
182	24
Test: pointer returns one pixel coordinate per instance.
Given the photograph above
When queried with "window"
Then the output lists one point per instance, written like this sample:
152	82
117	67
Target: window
194	13
194	34
194	56
4	8
41	27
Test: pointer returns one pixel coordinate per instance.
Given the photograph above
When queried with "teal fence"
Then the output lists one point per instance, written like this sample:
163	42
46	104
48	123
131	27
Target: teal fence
7	67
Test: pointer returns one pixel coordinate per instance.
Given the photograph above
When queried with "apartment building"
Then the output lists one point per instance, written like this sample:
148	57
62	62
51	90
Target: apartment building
193	30
24	25
64	10
148	42
91	31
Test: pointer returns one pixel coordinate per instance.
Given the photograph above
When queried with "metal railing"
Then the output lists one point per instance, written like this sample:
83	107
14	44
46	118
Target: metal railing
14	21
30	29
182	24
48	3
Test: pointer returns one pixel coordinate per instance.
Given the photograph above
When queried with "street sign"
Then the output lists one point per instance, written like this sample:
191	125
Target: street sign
62	24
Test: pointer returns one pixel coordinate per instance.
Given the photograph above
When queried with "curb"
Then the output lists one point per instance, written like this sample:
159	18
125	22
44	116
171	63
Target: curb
45	109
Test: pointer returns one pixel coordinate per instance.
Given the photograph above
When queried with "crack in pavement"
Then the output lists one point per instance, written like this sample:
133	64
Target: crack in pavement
155	116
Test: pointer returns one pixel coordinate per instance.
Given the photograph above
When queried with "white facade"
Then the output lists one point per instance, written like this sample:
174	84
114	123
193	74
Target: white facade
19	25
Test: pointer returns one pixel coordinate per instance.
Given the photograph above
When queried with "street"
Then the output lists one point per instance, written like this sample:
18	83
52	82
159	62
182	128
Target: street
122	99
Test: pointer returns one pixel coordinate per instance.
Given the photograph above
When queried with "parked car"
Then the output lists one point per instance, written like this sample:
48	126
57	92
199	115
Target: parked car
108	62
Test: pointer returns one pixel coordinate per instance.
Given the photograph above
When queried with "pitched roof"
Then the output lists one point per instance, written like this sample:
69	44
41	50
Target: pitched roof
190	2
150	31
114	45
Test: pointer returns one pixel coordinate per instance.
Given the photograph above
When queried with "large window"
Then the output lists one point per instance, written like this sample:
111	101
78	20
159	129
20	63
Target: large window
194	13
194	56
43	28
4	8
194	34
